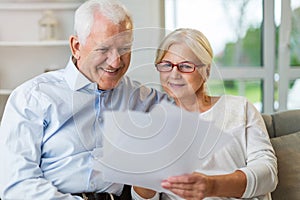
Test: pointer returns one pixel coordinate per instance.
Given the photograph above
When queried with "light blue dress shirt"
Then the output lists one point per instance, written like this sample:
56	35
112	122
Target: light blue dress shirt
50	129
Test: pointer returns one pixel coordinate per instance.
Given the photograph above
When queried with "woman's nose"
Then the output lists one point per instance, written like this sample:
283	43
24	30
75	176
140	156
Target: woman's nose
175	73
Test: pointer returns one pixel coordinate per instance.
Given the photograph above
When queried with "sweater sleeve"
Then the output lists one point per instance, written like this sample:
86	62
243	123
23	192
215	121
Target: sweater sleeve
261	169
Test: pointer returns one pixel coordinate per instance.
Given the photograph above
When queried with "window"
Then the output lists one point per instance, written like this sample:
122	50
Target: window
288	55
245	38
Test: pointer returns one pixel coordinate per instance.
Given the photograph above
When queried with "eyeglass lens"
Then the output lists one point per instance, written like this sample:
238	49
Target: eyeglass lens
185	67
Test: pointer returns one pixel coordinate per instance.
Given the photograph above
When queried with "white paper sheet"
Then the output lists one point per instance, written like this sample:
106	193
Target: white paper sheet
142	149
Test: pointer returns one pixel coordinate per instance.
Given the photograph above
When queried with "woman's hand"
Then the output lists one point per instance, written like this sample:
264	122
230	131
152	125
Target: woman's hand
193	186
198	186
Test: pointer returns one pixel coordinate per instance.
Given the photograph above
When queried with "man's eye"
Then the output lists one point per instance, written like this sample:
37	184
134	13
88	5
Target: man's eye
103	50
124	50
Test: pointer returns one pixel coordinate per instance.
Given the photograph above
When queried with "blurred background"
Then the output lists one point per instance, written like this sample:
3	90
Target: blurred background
255	42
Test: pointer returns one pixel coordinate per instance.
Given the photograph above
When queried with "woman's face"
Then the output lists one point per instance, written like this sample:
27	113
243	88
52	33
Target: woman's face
183	85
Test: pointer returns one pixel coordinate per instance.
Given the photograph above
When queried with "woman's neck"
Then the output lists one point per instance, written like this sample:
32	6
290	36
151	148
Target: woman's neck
195	103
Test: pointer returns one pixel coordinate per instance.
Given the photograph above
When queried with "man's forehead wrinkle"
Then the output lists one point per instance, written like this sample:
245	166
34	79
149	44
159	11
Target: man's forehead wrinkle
119	39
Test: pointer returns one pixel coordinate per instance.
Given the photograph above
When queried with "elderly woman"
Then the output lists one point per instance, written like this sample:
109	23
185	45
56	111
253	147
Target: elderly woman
246	166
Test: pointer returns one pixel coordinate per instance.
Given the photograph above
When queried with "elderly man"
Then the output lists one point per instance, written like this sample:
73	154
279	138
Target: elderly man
51	128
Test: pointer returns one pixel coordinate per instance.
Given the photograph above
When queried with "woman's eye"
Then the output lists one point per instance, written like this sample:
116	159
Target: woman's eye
167	65
186	66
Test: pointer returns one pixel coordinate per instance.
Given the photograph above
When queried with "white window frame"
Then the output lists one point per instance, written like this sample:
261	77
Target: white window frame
265	73
285	71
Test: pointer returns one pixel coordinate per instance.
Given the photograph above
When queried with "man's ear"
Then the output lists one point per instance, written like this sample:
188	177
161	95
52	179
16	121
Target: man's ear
74	45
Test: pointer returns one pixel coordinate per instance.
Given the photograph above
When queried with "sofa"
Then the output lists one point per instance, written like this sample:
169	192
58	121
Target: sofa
284	130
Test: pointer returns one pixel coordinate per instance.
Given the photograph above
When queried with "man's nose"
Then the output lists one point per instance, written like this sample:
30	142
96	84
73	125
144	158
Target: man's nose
114	58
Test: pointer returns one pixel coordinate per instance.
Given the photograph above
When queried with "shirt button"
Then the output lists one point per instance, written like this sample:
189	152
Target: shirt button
100	119
92	185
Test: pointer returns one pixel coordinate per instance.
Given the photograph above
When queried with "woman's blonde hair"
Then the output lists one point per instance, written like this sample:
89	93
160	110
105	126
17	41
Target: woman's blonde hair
193	38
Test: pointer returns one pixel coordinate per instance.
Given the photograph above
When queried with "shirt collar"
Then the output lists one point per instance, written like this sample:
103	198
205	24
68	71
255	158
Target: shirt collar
75	79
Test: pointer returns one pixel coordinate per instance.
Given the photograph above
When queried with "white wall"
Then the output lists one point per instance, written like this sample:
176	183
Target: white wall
148	22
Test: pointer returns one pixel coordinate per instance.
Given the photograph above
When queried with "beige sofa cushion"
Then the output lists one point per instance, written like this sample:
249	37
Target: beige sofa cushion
287	150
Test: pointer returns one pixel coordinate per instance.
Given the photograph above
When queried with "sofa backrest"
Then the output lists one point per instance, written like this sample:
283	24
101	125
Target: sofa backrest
282	123
287	149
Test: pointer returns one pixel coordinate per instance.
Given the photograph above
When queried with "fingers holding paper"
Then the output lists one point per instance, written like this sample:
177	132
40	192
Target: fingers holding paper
190	186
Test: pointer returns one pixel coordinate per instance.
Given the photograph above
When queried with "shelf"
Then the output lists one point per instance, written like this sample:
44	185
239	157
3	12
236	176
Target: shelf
33	43
5	91
23	54
38	5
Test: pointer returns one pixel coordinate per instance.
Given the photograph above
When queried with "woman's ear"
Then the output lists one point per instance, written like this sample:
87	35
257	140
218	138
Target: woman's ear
74	45
208	71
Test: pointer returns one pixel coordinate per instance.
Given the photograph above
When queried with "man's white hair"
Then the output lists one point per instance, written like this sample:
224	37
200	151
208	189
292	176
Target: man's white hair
84	15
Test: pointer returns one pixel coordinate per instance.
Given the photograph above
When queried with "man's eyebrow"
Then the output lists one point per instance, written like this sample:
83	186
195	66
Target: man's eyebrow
127	44
102	45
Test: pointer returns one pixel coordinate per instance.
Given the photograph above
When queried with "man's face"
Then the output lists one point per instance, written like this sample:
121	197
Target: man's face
105	57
